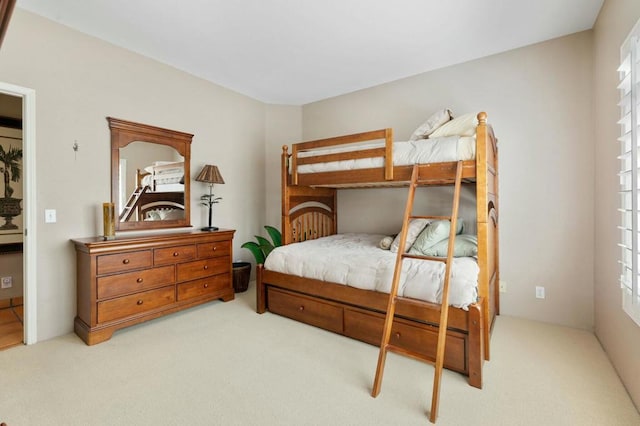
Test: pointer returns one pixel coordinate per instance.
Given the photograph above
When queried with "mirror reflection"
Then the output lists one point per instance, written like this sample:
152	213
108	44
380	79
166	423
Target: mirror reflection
151	180
149	176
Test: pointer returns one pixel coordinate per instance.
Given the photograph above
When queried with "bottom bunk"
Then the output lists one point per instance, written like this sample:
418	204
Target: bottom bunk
360	314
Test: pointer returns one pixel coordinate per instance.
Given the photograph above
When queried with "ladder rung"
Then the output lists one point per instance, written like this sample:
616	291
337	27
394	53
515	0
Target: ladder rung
422	257
431	217
409	353
417	302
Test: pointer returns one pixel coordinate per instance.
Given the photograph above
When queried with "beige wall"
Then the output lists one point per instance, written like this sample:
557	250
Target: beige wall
619	335
80	80
538	99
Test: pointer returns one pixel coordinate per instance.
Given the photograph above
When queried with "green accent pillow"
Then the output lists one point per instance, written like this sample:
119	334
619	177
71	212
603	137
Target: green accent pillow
465	245
435	232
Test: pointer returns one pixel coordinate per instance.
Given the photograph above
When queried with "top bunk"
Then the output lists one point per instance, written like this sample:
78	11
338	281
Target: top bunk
162	176
374	159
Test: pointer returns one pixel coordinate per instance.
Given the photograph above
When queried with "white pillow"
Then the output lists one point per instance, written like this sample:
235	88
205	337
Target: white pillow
465	125
436	120
415	228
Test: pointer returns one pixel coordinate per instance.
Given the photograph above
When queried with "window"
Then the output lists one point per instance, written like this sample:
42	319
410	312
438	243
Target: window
629	172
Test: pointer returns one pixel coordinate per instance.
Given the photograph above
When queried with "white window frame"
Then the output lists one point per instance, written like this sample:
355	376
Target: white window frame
629	172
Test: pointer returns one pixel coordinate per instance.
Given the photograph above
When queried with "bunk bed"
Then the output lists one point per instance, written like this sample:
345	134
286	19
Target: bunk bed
311	176
158	195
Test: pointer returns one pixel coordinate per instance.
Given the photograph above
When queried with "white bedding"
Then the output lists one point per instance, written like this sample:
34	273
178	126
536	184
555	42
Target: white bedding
422	151
356	260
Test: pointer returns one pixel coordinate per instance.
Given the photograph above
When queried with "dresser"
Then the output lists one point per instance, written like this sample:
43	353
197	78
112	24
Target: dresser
130	280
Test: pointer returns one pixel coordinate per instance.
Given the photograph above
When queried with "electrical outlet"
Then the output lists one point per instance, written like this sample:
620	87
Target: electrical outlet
50	216
6	282
539	292
503	286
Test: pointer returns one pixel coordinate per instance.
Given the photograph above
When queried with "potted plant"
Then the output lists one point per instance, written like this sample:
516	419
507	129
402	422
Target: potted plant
260	250
263	247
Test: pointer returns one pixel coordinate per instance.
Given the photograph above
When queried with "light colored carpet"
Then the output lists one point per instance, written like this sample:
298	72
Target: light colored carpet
223	364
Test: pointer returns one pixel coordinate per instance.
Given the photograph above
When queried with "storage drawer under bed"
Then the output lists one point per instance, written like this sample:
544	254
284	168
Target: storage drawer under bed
304	309
368	327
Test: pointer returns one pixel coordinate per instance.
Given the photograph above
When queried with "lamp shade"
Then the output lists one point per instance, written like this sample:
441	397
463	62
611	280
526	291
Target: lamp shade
210	174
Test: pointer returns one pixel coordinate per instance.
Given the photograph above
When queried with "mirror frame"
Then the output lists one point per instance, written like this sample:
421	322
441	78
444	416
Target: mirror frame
122	134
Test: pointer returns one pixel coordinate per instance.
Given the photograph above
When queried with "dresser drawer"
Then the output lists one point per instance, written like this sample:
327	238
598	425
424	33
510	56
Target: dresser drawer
368	328
215	249
306	310
125	306
203	268
203	287
170	255
130	282
120	262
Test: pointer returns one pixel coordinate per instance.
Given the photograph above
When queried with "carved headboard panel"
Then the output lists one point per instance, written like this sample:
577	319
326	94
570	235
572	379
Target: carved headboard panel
310	223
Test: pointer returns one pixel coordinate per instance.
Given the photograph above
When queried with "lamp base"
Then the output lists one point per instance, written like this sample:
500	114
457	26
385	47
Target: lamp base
209	228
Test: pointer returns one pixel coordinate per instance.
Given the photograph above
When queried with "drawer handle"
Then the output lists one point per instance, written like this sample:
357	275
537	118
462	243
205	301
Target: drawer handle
125	261
139	280
398	335
139	302
301	308
206	267
206	286
176	254
214	248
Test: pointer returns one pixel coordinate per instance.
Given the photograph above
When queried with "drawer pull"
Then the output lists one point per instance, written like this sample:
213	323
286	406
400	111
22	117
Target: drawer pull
214	248
301	308
398	335
206	267
206	286
125	261
139	280
176	254
139	302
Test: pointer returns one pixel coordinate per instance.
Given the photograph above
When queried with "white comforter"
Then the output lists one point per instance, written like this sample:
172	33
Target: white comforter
422	151
357	261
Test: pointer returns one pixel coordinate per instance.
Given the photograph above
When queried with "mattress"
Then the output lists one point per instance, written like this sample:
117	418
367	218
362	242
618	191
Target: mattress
422	151
355	259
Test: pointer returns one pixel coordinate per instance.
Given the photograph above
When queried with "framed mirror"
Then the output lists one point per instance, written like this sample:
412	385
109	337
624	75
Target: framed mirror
150	176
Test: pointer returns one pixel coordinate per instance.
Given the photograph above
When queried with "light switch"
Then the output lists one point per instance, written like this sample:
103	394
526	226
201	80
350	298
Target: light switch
49	216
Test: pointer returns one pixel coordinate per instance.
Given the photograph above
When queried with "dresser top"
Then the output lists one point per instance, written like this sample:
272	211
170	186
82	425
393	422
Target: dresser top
128	242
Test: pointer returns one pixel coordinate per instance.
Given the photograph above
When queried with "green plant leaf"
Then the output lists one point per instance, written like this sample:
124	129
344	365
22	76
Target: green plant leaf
275	235
255	249
265	245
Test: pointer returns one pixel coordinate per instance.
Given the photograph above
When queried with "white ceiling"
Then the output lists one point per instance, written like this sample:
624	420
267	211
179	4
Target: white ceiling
300	51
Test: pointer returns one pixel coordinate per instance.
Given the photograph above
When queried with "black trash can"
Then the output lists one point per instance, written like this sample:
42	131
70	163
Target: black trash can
241	275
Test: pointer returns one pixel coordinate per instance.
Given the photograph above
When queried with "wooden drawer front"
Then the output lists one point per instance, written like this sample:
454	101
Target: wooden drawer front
170	255
130	282
218	248
203	268
108	263
125	306
203	287
368	328
306	310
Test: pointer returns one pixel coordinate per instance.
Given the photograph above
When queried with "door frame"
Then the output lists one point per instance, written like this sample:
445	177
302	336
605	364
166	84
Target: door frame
29	195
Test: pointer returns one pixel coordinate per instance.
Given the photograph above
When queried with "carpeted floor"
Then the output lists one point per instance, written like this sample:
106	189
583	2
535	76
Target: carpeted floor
223	364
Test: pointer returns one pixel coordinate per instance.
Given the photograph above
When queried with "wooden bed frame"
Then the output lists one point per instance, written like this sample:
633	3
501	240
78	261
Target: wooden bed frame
309	212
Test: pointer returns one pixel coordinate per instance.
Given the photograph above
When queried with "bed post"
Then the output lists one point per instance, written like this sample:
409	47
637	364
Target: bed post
487	226
476	346
261	296
286	202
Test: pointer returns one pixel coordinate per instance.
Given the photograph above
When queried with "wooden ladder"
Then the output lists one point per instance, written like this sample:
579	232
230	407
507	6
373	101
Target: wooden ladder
385	346
129	208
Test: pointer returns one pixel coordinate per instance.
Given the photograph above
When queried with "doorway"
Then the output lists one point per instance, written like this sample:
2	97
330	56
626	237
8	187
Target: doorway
23	231
11	223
